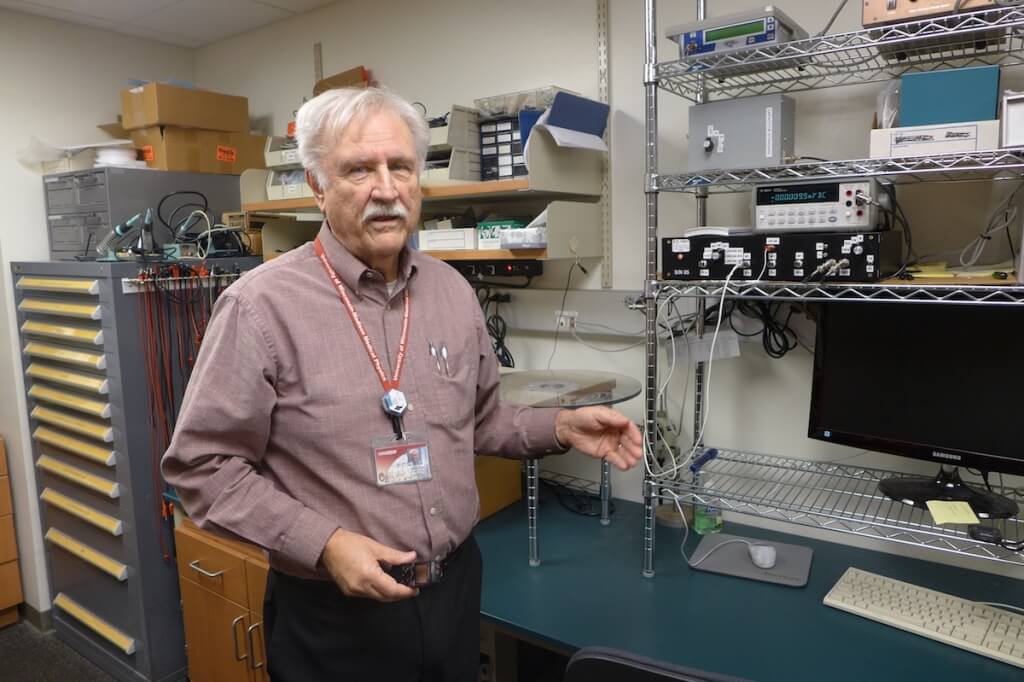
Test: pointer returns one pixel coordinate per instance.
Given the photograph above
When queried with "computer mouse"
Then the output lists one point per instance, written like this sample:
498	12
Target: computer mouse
763	556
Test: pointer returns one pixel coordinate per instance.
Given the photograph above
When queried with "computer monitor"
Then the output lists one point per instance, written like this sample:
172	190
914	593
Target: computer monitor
941	383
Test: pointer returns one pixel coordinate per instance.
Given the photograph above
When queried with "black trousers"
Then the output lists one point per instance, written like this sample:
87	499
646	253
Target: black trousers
315	633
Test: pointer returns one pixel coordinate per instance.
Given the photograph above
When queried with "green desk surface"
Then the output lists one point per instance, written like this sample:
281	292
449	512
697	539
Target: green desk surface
589	591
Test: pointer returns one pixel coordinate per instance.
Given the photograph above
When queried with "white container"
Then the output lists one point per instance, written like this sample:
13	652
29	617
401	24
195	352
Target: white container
463	239
933	140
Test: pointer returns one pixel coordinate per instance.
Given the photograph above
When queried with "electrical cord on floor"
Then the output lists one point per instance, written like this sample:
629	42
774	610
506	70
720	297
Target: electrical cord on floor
577	501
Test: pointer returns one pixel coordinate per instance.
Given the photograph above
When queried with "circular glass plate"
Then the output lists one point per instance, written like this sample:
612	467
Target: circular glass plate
567	388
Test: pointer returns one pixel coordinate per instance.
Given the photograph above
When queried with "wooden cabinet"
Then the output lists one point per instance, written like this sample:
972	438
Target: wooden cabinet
222	586
10	575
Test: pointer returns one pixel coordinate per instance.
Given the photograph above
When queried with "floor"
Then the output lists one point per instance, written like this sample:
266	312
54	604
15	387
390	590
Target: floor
29	655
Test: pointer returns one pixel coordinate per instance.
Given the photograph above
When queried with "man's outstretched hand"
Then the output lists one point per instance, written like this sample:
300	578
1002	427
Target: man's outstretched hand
602	433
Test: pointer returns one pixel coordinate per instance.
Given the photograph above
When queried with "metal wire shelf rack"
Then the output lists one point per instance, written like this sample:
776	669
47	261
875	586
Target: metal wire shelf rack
985	37
574	484
983	165
831	496
878	293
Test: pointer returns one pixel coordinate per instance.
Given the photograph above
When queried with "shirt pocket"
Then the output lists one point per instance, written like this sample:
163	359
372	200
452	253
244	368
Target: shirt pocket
455	395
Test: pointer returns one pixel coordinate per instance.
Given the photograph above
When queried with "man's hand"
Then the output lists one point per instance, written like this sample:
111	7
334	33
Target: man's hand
602	433
353	561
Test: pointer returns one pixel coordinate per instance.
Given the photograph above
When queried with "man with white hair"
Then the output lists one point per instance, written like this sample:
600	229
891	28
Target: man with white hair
321	375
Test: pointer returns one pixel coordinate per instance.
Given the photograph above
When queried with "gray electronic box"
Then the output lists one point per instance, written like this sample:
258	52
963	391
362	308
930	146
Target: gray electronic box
749	132
82	206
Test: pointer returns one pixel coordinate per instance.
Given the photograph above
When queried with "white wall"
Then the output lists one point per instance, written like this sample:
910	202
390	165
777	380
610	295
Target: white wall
452	52
60	80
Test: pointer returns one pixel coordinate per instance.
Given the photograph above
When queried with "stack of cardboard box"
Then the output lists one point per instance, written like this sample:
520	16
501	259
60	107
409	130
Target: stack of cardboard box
183	129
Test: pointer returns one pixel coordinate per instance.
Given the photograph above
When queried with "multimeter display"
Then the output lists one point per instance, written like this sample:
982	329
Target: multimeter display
783	195
734	31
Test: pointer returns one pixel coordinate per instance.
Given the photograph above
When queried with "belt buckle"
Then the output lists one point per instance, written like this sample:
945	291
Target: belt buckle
427	573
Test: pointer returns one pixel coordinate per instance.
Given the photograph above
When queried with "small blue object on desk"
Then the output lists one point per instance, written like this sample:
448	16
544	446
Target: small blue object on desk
590	592
949	96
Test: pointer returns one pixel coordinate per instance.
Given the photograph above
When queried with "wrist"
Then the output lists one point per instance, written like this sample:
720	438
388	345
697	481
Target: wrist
562	429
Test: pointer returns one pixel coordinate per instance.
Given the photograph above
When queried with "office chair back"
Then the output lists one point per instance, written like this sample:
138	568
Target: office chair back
598	664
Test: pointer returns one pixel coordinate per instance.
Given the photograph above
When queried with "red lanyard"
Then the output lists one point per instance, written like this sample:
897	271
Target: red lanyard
361	330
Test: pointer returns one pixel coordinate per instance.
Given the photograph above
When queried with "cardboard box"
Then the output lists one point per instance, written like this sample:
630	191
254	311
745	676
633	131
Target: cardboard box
932	140
488	232
160	104
358	77
499	483
199	151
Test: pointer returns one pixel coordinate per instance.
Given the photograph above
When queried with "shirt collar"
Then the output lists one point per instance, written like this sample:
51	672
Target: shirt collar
354	273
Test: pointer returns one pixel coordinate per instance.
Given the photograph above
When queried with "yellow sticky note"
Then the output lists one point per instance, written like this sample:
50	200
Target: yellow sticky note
951	512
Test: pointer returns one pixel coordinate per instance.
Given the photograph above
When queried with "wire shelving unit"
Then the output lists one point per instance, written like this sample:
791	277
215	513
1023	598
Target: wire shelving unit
809	493
980	38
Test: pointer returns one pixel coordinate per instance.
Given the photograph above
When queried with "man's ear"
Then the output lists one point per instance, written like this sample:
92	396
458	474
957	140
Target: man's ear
318	192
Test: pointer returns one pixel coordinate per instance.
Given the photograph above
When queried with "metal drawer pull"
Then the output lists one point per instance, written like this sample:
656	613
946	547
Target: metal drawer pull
194	565
234	637
252	648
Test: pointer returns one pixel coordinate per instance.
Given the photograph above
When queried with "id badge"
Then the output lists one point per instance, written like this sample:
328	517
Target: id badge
401	461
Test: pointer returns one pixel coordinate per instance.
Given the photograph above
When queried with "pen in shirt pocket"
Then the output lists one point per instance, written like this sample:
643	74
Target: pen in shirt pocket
444	359
435	356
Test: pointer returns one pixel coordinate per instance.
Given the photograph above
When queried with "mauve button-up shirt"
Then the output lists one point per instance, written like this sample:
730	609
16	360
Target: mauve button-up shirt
274	439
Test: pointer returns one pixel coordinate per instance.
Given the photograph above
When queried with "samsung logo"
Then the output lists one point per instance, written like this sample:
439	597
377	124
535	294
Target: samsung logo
946	455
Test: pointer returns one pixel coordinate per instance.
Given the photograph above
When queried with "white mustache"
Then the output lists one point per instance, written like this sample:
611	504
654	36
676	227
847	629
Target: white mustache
379	209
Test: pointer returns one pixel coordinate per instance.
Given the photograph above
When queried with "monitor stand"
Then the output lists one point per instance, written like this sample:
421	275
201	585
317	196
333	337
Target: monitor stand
948	486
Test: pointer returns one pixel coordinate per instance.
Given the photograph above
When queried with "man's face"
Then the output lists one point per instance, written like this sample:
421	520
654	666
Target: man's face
371	195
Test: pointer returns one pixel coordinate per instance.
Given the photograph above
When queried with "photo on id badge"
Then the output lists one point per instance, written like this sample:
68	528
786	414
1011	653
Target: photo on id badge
401	461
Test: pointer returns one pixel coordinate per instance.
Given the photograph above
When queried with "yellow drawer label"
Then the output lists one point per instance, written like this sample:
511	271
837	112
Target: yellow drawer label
75	475
95	384
75	286
52	395
75	357
63	331
87	554
95	623
96	430
82	511
75	446
88	311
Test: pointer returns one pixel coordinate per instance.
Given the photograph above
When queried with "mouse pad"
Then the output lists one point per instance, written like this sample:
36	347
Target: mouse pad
792	563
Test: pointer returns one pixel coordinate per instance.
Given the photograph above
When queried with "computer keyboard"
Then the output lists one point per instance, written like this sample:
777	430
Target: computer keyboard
985	630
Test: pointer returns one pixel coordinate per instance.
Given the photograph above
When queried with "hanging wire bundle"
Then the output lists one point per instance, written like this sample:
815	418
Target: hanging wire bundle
175	303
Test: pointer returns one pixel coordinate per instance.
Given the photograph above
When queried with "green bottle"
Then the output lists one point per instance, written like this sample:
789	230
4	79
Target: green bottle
707	520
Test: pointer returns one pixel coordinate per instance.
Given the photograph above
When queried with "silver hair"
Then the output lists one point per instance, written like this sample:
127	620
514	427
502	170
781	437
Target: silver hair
322	119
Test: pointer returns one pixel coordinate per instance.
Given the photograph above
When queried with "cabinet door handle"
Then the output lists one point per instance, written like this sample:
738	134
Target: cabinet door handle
234	638
194	565
252	647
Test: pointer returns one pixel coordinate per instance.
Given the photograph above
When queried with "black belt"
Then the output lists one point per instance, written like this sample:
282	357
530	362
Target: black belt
422	573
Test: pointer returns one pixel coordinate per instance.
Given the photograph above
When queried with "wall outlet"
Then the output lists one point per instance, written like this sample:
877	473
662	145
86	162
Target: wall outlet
566	319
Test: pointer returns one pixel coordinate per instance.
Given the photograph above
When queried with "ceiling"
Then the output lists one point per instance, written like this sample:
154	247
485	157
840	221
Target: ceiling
186	23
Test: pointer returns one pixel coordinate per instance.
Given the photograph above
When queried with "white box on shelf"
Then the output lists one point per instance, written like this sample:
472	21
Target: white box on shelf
288	184
463	165
281	152
1013	119
461	131
932	140
463	239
